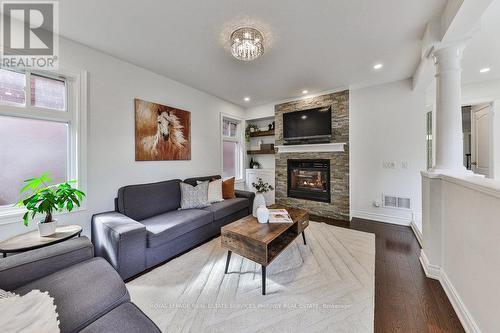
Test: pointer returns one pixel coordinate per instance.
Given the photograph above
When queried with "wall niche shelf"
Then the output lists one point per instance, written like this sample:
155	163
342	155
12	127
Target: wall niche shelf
262	133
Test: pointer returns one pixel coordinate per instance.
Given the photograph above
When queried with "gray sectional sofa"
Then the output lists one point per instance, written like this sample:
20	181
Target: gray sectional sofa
147	227
89	294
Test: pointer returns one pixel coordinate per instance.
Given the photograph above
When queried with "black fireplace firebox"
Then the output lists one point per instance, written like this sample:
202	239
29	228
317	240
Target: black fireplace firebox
309	179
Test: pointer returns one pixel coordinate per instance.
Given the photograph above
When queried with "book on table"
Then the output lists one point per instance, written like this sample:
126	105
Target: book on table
279	216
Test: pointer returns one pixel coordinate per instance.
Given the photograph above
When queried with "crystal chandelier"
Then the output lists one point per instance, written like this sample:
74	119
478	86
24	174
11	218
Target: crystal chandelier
247	44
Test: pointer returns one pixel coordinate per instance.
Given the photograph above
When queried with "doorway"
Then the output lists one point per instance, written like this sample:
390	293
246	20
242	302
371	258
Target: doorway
477	136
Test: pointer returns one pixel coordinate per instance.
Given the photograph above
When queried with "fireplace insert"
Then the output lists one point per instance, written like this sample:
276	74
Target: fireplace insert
309	179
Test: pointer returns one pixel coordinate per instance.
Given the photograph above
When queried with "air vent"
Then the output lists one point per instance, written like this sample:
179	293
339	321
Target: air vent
391	201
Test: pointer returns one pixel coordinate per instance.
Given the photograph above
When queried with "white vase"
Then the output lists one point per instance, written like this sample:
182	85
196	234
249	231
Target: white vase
262	214
47	229
257	202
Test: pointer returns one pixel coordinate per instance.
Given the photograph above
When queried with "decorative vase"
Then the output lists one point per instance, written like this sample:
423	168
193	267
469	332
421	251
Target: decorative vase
257	202
262	214
47	229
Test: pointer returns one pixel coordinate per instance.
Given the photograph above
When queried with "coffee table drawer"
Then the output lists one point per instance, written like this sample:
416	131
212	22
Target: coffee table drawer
303	224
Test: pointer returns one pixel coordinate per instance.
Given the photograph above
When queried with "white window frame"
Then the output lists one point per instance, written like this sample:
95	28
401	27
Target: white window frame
75	115
239	138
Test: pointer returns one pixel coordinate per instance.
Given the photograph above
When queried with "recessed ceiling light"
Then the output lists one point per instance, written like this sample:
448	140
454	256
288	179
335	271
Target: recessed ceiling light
246	99
304	91
484	70
378	66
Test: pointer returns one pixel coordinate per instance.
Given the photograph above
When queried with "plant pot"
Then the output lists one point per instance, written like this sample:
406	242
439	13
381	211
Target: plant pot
47	229
262	214
257	202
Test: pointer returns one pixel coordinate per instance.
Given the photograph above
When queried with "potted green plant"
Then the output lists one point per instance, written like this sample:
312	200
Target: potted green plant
251	128
260	188
46	199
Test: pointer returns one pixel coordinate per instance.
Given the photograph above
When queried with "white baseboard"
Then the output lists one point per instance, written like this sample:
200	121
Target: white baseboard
468	323
431	271
381	217
435	272
417	233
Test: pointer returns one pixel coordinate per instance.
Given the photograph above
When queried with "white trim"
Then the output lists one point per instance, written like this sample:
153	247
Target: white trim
416	232
468	322
436	273
321	147
472	181
381	217
431	271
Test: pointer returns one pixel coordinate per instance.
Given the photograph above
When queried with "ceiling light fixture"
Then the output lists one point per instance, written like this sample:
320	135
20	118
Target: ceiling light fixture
247	44
246	99
305	92
378	66
484	70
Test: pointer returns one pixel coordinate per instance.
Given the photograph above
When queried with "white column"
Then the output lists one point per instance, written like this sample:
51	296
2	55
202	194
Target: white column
448	136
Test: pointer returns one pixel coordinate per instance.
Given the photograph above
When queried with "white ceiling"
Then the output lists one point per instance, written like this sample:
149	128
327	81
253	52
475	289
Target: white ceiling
483	50
316	45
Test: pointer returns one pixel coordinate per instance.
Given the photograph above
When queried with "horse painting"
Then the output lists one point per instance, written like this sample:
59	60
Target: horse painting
161	132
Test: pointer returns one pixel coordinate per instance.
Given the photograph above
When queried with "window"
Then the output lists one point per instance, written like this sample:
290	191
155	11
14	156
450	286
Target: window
38	131
232	148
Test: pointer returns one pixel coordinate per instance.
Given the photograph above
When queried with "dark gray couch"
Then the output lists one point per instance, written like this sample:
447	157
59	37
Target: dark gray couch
147	228
90	296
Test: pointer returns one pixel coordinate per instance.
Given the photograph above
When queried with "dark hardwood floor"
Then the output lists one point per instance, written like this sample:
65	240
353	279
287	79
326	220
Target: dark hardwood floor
405	299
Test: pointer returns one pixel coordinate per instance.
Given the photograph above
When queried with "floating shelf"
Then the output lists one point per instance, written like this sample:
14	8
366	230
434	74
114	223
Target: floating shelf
261	152
262	133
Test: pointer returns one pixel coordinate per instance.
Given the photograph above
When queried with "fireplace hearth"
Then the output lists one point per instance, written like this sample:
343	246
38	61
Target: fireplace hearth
309	179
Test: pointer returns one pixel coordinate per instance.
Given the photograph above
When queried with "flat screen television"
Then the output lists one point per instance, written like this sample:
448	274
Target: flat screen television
313	125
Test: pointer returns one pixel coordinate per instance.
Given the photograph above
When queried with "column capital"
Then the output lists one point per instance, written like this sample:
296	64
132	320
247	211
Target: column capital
452	49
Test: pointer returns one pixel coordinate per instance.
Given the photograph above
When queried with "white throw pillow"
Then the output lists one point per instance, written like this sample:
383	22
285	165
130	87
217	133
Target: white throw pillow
34	312
214	190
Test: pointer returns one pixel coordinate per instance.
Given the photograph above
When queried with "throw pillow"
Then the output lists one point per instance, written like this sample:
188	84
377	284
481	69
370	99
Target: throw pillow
34	312
194	196
228	189
214	190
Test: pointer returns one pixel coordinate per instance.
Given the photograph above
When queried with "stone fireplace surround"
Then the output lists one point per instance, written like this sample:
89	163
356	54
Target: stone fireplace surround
338	208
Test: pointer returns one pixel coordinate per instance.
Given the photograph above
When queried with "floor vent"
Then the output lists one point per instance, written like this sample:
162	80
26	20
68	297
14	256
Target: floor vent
391	201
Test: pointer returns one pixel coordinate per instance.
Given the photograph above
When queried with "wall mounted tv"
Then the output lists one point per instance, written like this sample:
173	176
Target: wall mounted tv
308	126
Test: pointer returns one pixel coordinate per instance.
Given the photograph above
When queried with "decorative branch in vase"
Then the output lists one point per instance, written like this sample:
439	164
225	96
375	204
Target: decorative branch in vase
45	199
260	201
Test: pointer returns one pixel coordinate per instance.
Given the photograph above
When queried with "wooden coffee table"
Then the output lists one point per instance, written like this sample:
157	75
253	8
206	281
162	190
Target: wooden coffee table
32	240
262	243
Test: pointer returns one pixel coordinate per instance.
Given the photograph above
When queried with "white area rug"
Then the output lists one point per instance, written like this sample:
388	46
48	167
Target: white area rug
325	286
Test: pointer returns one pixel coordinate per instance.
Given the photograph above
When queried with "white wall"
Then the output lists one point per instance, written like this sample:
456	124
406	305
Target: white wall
461	237
387	124
113	85
262	111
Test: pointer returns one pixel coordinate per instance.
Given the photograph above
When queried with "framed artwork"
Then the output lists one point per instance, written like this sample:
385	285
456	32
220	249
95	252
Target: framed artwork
162	133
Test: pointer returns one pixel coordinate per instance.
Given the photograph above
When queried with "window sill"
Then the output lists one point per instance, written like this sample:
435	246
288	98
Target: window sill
15	215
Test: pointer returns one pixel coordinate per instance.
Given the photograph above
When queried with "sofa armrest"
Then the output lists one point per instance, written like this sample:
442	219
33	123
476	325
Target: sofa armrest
121	241
248	195
20	269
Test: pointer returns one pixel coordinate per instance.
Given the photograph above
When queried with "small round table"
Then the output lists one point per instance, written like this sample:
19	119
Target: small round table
32	240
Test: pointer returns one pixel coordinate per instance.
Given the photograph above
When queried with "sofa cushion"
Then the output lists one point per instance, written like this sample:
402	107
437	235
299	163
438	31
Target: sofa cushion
227	207
82	292
124	319
165	227
145	200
